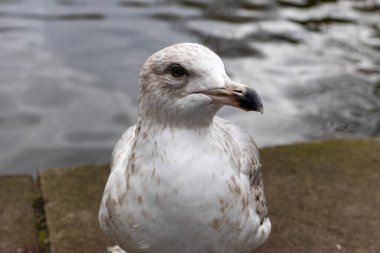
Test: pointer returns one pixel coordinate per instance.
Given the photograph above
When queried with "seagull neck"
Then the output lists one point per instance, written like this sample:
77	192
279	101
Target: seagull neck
159	125
192	119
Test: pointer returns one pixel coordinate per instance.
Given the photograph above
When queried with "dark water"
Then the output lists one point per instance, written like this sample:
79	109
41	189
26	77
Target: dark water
68	69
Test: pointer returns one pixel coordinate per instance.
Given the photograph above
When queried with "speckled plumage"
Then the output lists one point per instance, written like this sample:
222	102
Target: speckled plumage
183	179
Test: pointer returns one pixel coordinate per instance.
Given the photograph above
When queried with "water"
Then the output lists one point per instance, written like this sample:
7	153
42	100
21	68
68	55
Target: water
68	70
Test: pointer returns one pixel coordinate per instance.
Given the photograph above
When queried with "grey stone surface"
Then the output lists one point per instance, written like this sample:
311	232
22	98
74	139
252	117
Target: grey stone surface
323	196
72	198
17	225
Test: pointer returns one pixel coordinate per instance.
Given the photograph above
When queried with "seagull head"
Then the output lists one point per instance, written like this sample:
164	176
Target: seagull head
187	83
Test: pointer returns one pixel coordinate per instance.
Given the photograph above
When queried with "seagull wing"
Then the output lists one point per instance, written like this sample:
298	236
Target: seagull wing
255	178
122	149
119	162
242	145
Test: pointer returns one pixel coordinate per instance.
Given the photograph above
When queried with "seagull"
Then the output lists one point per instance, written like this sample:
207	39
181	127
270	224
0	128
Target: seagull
183	179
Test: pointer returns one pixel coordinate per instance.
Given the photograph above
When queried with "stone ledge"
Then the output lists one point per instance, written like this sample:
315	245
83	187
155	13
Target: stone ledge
323	196
72	197
17	225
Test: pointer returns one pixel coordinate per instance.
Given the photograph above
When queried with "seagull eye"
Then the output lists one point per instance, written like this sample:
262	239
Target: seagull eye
177	70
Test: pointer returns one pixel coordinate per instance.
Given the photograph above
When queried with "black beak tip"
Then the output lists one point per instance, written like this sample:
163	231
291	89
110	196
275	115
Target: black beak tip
261	109
251	101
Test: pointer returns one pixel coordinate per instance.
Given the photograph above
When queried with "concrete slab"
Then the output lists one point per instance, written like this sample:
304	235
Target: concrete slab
72	198
323	197
17	225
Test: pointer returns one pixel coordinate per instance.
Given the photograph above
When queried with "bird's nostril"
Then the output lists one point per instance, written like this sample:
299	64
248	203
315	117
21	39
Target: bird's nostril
238	91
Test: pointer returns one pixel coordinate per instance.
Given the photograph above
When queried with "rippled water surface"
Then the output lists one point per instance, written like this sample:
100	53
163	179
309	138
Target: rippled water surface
68	69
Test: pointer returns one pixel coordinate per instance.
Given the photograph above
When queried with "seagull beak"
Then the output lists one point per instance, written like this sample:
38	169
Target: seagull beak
236	94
